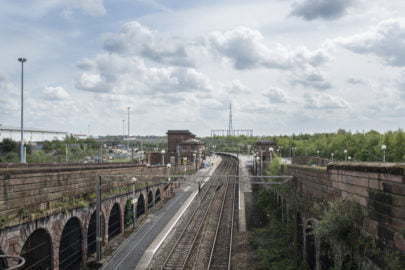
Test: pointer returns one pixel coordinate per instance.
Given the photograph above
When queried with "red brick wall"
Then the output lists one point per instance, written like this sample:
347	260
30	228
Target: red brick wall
380	188
36	188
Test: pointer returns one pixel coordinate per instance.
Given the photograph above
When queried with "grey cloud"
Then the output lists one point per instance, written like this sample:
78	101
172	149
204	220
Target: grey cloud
276	95
386	41
355	81
312	80
320	9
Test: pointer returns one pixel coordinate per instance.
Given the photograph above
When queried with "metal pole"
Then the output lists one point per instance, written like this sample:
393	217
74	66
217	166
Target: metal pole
100	160
123	128
98	219
261	163
133	205
128	127
66	153
22	154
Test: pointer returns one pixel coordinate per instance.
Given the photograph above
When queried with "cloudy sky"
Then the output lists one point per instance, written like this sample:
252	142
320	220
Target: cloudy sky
286	65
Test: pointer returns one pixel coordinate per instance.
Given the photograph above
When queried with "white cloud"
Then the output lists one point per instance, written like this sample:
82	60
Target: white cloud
92	82
246	49
276	95
324	9
9	98
131	75
311	78
90	7
55	93
324	102
386	41
137	39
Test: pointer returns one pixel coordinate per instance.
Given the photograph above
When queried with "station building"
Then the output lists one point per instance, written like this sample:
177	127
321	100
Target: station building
265	149
183	147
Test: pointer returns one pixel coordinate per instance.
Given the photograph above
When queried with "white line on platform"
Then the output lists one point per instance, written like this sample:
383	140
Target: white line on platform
150	252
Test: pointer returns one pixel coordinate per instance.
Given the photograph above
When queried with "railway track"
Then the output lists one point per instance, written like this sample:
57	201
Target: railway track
217	204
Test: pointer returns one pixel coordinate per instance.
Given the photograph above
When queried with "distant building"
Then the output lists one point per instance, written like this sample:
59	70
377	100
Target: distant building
174	138
262	149
30	134
184	147
155	158
192	149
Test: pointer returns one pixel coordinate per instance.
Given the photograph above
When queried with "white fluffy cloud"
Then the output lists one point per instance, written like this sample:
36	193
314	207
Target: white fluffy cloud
246	49
112	73
310	78
386	41
324	9
55	93
324	102
137	39
276	95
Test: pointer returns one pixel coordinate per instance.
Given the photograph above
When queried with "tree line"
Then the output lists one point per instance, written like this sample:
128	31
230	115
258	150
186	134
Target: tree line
360	146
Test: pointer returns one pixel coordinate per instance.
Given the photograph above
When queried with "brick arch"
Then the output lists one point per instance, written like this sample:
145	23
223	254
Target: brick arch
311	244
158	196
141	200
71	244
150	199
38	249
115	220
90	237
3	262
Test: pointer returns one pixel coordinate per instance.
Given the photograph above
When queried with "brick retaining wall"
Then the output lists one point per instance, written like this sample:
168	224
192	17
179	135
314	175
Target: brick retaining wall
378	187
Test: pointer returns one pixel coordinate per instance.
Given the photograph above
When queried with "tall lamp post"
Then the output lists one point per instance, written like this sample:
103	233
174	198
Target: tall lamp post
271	149
384	149
163	157
332	155
345	151
22	152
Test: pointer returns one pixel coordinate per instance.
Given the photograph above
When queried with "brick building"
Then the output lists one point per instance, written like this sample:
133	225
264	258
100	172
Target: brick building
262	148
184	147
193	150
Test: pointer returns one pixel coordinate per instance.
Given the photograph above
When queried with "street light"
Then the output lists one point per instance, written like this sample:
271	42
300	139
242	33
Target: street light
345	151
350	158
317	151
195	159
332	155
134	200
22	152
383	148
271	149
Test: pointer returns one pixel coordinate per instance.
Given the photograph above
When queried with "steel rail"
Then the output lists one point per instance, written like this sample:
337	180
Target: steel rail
215	178
217	232
183	233
219	217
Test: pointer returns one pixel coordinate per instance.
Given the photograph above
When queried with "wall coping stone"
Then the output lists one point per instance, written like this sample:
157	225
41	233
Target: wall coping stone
370	167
